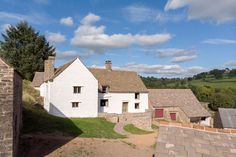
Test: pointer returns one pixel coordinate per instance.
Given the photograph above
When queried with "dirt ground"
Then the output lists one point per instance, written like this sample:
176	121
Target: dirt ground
55	146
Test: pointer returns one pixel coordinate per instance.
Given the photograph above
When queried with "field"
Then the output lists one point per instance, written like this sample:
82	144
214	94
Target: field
221	83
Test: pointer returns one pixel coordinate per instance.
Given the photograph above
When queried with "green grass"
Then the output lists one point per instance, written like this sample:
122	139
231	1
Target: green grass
134	130
221	83
155	127
38	120
35	119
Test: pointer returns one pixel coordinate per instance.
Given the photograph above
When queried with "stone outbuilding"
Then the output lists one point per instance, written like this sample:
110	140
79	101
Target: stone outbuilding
178	105
10	109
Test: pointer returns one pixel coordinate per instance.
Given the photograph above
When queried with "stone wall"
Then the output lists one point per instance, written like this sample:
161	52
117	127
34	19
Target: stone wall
140	120
10	109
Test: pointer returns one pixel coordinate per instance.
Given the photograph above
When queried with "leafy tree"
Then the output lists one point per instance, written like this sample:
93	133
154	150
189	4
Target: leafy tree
217	73
25	49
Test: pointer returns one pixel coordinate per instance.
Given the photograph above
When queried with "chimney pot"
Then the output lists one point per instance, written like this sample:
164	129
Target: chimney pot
108	65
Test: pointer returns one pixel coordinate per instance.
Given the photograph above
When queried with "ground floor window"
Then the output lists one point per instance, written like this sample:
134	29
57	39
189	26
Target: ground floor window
103	102
136	105
75	104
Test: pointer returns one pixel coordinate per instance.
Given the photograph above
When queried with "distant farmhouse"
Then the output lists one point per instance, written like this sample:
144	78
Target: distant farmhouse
10	109
178	105
225	118
73	90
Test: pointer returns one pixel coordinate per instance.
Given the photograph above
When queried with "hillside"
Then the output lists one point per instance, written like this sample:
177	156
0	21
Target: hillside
218	87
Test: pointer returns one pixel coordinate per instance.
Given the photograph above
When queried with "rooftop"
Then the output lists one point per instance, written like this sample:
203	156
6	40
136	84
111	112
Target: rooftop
183	98
175	141
228	117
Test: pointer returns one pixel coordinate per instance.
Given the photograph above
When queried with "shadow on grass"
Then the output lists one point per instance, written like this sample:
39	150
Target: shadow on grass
43	133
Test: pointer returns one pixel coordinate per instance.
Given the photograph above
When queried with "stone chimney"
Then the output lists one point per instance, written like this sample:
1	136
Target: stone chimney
108	65
49	68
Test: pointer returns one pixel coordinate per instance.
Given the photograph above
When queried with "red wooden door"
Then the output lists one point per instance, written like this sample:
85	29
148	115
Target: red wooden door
159	113
173	116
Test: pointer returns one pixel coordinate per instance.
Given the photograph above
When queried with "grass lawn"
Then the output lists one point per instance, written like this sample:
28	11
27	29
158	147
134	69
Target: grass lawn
38	120
132	129
35	119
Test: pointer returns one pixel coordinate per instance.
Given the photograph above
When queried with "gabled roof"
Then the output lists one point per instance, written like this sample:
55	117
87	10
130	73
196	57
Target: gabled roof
228	117
116	80
183	98
119	81
38	79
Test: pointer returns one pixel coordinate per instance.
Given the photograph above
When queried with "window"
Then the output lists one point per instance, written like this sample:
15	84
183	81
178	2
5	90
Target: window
136	105
104	102
77	89
104	89
136	95
159	113
75	104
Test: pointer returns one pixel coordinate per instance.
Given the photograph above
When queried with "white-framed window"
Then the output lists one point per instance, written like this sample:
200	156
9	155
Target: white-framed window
104	102
136	95
136	105
77	89
75	104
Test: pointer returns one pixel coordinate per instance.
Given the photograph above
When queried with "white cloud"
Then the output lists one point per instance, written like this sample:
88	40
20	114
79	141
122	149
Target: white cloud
173	52
231	63
173	70
68	21
177	55
140	13
94	38
67	55
219	41
90	19
183	58
219	11
4	27
55	37
36	18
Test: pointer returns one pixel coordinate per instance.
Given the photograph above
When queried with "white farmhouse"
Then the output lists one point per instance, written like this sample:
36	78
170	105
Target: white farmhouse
73	90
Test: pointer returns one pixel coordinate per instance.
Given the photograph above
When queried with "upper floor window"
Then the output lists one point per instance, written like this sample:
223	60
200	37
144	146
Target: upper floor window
104	89
136	105
137	95
103	102
77	89
75	104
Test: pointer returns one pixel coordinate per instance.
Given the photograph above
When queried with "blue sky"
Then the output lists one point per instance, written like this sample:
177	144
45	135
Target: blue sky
162	38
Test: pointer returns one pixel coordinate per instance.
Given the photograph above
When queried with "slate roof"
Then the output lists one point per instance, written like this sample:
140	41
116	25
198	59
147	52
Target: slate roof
38	79
228	117
183	98
119	81
116	80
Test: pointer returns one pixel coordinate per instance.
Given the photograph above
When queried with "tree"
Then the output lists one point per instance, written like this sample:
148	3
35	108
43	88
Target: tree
25	49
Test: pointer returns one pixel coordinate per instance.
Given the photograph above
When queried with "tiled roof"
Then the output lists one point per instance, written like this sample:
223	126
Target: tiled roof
228	117
183	98
119	81
116	80
175	141
38	79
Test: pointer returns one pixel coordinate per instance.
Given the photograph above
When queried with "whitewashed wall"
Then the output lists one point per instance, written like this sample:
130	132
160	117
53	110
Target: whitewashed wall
115	102
60	95
206	122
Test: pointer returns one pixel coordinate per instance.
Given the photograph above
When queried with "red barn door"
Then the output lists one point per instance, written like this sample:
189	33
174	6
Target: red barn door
159	113
173	116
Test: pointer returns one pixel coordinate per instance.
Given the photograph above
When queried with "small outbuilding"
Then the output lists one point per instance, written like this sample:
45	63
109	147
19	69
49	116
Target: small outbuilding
225	118
178	105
